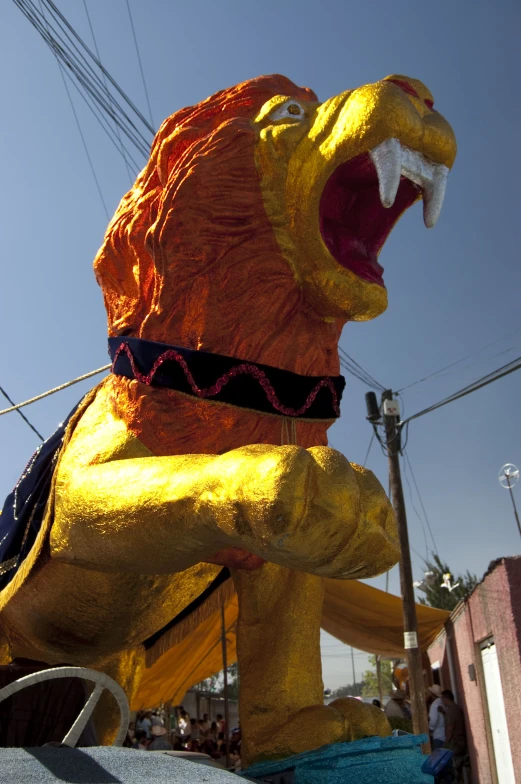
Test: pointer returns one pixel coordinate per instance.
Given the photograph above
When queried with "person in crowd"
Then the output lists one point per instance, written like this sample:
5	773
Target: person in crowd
183	726
156	720
195	730
455	737
141	741
159	741
395	706
130	736
144	722
436	717
235	737
377	703
215	753
205	724
235	755
221	724
194	745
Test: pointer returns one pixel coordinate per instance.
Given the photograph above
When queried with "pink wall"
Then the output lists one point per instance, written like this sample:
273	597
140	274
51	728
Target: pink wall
492	610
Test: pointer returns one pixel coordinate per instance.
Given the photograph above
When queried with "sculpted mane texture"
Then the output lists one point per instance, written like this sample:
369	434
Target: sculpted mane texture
191	243
191	259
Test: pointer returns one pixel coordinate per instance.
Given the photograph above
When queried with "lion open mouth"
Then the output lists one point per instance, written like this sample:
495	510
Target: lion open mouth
364	198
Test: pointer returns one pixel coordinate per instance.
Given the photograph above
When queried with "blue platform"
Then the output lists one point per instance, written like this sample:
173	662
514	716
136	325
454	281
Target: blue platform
368	761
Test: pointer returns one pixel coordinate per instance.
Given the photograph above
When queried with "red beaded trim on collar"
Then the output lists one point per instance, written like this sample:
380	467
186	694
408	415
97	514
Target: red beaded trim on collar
245	368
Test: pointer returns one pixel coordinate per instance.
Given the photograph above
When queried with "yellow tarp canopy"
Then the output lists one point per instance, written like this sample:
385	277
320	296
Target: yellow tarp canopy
372	620
355	613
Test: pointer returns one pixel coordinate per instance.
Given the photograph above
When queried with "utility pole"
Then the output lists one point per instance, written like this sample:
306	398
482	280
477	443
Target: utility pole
410	624
226	701
379	679
353	665
513	503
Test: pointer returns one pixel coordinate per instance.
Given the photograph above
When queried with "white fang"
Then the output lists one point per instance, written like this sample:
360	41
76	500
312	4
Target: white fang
392	161
387	160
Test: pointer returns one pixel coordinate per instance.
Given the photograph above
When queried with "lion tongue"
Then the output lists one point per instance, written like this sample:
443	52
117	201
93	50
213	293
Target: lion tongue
350	250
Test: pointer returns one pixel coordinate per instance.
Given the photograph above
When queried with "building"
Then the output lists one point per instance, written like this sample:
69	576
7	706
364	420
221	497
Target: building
478	656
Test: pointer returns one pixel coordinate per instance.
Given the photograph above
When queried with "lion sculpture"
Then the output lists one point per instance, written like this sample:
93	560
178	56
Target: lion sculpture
228	272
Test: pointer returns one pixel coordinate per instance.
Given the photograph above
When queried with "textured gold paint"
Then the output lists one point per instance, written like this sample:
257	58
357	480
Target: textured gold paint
296	157
278	649
305	509
84	616
202	254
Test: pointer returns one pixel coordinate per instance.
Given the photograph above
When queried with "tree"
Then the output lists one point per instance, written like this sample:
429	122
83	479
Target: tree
233	682
215	684
438	596
370	685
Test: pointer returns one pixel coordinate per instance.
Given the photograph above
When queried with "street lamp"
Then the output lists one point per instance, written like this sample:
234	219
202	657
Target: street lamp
508	477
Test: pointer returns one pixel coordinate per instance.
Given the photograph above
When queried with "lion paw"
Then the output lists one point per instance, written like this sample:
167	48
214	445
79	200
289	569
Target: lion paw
310	728
361	720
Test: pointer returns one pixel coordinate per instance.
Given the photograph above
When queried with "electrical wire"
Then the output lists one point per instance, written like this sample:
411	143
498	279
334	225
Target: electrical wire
368	450
408	461
140	63
82	137
127	156
355	369
79	67
495	375
358	370
118	132
463	359
80	131
415	510
15	408
98	63
84	67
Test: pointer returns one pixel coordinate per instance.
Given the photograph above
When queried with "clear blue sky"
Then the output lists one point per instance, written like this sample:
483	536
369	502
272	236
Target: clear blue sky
452	290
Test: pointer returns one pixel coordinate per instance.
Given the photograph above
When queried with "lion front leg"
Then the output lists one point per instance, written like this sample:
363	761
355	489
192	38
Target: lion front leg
304	509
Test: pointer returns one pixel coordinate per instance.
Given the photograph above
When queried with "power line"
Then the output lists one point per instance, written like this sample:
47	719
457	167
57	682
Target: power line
356	370
80	131
4	393
83	66
100	66
368	450
416	511
17	406
459	361
421	501
140	63
83	140
369	380
118	133
495	375
127	156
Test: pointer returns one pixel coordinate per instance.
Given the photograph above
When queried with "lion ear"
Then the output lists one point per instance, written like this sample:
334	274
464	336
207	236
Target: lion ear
173	148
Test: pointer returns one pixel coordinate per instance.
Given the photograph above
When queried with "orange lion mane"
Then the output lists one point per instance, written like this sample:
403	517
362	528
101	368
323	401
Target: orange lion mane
190	258
191	217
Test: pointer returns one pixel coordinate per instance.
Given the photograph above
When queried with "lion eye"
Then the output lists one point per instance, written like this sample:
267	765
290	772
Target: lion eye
290	110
